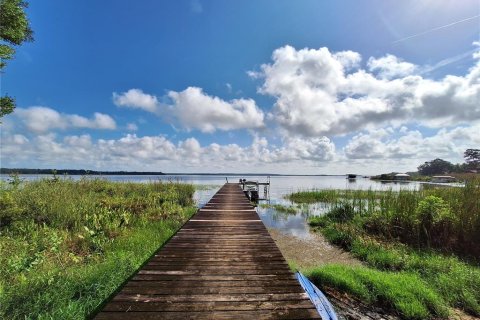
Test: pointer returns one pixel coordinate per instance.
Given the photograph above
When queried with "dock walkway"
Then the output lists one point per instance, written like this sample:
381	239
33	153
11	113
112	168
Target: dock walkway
222	264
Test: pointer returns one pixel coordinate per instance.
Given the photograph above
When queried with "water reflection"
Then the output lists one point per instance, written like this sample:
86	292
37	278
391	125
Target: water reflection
291	223
296	223
204	194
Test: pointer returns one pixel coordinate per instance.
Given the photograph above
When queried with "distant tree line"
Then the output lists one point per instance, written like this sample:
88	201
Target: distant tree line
440	166
75	172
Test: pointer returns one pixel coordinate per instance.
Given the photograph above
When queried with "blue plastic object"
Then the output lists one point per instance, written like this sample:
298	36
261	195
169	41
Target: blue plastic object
324	308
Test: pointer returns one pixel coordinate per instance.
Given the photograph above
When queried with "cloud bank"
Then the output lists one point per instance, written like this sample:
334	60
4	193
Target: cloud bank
44	119
156	152
331	109
318	92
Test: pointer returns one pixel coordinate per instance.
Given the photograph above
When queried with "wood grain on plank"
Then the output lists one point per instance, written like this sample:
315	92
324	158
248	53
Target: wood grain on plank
222	264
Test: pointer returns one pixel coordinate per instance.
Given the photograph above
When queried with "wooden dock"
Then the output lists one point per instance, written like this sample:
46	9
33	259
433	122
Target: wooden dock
222	264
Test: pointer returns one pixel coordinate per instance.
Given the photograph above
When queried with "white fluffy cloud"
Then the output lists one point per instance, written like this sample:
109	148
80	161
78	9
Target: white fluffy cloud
402	143
193	109
385	149
159	153
390	67
136	99
318	94
322	93
293	148
44	119
136	149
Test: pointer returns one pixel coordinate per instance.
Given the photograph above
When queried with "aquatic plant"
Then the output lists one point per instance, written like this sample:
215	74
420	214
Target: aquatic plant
279	208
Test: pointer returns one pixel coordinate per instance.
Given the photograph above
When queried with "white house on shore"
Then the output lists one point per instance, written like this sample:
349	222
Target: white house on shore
401	177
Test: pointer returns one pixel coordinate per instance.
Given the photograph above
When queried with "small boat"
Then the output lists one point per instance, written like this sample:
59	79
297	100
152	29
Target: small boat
351	176
252	189
324	308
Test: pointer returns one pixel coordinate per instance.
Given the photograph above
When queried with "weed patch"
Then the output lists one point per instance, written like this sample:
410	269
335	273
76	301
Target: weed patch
67	245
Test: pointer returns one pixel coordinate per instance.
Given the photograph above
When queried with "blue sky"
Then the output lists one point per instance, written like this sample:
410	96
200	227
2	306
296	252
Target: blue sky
312	87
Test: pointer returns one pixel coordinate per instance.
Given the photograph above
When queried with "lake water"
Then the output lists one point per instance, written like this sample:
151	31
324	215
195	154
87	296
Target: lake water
280	186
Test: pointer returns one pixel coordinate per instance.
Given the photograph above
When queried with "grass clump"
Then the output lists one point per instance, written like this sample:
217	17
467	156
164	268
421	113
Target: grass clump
67	245
325	195
333	195
407	293
279	208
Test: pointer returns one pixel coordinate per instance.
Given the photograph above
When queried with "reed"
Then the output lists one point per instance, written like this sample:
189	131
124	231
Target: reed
444	218
333	195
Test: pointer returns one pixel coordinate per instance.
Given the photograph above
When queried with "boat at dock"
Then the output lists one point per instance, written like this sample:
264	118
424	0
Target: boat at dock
252	189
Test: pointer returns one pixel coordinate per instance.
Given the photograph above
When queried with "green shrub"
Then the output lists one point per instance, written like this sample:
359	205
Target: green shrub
340	234
435	220
9	211
313	196
341	212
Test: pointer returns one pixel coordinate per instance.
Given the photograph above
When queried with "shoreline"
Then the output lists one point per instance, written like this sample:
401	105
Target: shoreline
303	254
310	253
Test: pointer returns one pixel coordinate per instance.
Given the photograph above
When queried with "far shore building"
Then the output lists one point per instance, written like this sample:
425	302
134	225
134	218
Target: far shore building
443	179
401	177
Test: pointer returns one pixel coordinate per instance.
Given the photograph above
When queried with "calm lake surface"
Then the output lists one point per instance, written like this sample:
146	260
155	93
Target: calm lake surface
280	186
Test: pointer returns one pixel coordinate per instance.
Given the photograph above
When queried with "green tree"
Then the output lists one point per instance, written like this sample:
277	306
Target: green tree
459	167
14	30
472	158
437	166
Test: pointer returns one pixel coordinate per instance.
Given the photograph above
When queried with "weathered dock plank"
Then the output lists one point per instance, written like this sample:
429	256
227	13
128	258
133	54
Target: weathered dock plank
222	264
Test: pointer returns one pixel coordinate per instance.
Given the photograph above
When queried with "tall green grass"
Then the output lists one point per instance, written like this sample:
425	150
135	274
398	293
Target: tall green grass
456	281
404	292
332	195
443	218
399	235
67	245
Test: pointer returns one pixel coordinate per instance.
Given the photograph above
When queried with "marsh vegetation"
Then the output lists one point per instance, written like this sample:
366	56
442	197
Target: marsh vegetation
420	247
279	208
67	245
